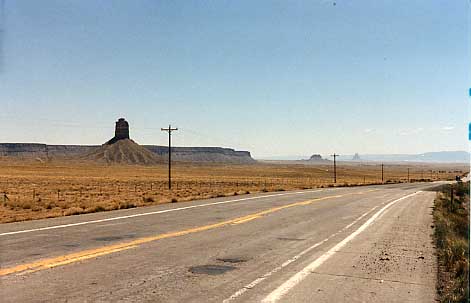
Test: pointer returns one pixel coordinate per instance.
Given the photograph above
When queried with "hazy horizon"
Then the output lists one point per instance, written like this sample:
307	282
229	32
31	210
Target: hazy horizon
271	78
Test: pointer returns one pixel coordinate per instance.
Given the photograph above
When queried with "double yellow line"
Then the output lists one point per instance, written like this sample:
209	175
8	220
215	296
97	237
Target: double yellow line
105	250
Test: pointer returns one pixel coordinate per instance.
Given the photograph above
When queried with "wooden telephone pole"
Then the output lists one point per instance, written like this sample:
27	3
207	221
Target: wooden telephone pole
382	173
335	167
169	130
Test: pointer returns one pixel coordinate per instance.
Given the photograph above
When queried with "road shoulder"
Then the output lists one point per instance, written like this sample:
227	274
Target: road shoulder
393	260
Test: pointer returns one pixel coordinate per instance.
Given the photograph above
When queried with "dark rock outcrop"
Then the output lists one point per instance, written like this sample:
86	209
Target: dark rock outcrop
356	157
316	157
121	131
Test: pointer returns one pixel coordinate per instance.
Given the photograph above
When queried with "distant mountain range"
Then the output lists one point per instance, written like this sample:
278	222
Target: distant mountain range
435	157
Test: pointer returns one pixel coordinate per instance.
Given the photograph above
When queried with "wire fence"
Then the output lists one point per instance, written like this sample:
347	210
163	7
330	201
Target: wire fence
18	192
48	195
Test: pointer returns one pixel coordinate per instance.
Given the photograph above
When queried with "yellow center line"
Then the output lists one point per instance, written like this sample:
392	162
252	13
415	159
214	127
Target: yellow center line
105	250
243	220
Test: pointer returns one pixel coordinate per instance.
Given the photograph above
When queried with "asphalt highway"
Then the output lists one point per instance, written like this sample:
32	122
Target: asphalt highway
357	244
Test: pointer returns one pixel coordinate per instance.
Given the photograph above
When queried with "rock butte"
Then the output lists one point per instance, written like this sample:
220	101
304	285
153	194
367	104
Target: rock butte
184	154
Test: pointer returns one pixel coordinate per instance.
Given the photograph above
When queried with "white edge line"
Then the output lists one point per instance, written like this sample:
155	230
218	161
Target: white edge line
152	213
279	292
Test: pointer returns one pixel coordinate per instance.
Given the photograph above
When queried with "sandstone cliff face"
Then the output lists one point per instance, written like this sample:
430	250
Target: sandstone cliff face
203	154
26	150
185	154
36	150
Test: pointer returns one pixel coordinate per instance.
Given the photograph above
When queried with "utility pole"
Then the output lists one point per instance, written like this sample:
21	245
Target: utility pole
335	167
408	179
382	173
169	130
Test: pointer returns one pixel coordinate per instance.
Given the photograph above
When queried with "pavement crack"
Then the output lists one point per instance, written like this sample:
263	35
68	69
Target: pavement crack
368	278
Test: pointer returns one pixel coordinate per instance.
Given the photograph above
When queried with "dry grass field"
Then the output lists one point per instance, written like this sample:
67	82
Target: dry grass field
33	190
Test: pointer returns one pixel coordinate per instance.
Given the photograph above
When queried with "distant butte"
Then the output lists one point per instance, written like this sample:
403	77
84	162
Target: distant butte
121	149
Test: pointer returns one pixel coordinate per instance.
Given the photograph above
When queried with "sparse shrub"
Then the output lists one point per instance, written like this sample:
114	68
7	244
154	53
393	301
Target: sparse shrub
148	199
247	192
174	200
113	207
127	205
98	208
264	190
236	193
36	208
73	211
452	241
461	189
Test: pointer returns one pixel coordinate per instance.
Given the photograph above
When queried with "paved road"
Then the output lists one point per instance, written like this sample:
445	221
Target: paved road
362	244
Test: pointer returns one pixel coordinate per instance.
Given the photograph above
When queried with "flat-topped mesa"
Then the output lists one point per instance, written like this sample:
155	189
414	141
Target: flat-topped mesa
316	157
121	131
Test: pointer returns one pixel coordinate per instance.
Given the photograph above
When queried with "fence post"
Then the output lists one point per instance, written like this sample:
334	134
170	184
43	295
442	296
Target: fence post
451	197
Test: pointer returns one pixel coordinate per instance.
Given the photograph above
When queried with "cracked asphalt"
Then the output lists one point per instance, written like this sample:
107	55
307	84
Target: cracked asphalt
241	250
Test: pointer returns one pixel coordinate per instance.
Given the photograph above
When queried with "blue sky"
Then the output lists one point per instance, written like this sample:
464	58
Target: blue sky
273	77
